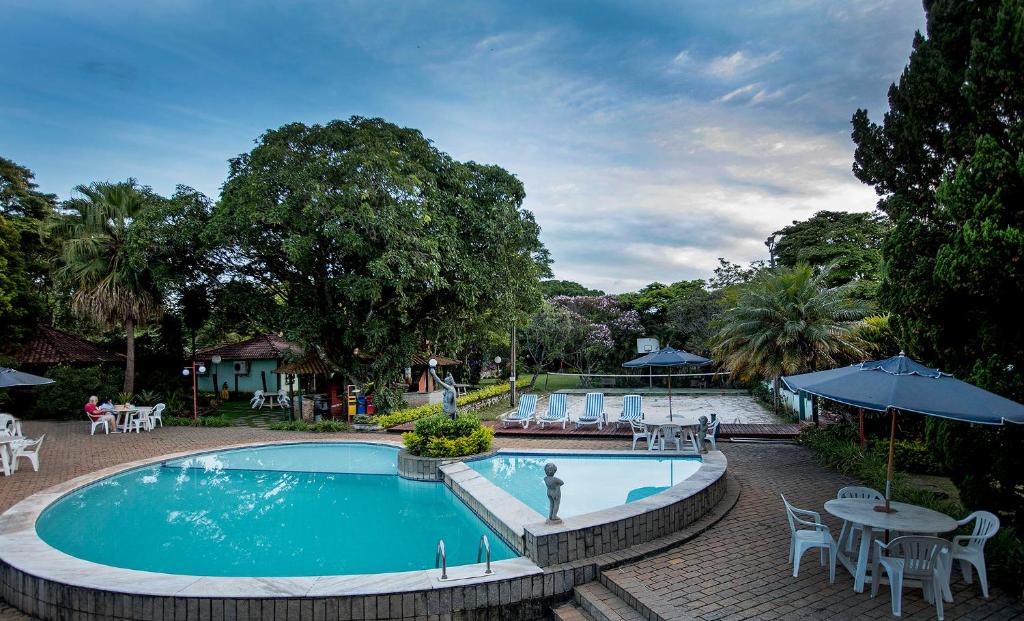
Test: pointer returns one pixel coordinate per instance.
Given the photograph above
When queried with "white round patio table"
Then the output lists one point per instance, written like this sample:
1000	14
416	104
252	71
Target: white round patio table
686	423
905	519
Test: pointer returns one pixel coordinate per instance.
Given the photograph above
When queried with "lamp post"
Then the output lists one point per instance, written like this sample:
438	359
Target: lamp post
195	392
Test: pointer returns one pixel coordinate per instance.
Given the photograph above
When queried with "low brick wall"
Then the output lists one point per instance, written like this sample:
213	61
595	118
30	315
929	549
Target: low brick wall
597	533
426	468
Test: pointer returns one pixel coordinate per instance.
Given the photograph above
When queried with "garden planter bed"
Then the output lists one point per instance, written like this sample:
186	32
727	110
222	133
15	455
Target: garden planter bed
420	468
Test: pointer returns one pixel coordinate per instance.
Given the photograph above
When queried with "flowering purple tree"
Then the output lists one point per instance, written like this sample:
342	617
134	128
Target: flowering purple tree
605	329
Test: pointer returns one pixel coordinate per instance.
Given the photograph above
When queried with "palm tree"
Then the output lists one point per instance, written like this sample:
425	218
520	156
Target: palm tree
102	263
788	321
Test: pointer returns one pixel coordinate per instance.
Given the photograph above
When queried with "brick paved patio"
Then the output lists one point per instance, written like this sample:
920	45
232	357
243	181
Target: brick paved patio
736	570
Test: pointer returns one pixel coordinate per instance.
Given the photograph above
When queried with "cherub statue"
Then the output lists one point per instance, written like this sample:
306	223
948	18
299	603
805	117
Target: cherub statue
554	485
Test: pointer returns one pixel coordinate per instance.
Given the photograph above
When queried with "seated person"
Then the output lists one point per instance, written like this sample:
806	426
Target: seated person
96	414
107	405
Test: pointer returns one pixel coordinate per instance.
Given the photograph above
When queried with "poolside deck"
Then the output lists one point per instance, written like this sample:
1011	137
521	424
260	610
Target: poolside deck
730	431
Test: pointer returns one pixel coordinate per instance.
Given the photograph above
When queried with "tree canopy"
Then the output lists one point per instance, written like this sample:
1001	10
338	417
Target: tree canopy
947	161
376	241
849	243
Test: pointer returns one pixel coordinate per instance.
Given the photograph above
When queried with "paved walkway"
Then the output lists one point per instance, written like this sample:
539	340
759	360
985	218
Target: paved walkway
739	570
736	570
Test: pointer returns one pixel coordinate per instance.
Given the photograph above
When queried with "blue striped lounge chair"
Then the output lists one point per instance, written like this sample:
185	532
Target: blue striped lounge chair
524	414
557	412
593	411
632	410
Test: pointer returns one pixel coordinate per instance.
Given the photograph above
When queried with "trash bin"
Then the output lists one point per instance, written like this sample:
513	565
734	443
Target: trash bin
370	408
320	407
361	404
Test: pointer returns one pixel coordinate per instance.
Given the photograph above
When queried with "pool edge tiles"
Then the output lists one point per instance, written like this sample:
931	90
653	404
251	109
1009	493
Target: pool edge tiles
24	556
230	521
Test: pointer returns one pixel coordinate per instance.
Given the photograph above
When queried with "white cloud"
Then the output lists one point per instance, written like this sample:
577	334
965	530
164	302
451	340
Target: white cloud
740	62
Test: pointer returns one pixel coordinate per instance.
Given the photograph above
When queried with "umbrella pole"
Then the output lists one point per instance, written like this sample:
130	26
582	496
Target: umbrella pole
892	459
670	394
860	417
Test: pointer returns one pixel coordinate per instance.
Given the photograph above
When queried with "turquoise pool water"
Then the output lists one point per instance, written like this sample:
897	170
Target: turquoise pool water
591	483
293	510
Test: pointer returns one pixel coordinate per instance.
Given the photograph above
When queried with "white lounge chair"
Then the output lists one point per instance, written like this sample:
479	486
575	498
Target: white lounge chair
258	399
593	411
29	449
847	533
970	549
914	558
640	433
557	411
157	416
803	539
632	410
523	414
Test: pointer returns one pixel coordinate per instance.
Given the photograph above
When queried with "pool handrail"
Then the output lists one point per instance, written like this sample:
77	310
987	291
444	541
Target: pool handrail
485	546
441	560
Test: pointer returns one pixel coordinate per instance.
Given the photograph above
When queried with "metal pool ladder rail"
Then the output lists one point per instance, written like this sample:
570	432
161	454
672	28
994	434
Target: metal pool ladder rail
441	560
485	546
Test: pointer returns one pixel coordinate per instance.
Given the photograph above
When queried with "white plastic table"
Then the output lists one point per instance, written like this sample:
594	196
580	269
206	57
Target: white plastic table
125	413
654	425
906	519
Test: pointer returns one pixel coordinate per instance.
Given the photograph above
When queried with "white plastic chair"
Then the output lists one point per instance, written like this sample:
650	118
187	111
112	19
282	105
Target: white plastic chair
593	411
96	423
257	400
523	414
669	433
10	424
157	416
712	432
557	411
29	449
282	399
913	558
140	420
632	410
970	549
640	433
848	531
817	535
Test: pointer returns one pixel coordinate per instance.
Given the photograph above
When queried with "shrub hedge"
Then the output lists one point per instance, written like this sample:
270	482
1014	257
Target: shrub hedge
324	426
202	421
440	436
410	414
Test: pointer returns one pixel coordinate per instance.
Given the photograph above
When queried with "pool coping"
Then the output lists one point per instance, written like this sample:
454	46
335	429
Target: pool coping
22	549
598	532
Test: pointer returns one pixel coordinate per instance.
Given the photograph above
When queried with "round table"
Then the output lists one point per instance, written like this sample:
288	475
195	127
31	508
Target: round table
687	428
905	519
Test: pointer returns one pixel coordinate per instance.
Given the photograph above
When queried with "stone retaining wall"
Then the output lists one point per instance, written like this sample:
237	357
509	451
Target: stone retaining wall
426	468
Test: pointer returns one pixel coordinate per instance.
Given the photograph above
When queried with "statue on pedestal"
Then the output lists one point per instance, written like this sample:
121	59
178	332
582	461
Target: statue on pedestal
448	403
702	432
554	485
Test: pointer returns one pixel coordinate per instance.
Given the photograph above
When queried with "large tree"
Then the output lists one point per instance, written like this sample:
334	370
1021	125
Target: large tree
377	242
105	263
947	161
850	244
787	321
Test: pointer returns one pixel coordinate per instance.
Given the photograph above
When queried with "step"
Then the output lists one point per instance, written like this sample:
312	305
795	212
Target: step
639	597
600	603
570	611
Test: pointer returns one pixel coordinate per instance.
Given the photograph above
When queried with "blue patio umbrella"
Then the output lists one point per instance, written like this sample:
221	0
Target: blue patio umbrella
901	384
10	378
668	357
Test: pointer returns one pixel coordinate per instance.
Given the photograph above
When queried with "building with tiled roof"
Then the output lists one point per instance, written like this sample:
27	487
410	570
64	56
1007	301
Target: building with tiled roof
50	346
246	366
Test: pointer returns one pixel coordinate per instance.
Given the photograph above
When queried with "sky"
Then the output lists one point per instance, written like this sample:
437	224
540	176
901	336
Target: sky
652	136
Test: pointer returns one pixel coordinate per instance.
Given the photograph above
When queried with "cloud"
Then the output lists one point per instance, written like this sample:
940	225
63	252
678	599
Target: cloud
740	62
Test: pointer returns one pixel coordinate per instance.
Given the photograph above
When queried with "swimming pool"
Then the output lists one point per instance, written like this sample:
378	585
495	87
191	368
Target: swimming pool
284	510
592	482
